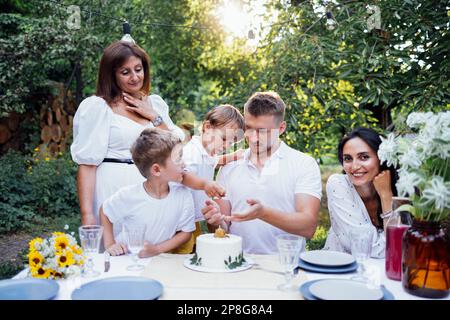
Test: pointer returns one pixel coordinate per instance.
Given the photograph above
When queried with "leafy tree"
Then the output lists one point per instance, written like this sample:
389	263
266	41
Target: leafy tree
334	80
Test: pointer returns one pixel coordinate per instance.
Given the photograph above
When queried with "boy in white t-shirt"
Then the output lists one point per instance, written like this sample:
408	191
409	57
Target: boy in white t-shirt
222	126
164	206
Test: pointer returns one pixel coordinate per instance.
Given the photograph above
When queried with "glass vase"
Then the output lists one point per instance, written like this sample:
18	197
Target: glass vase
426	259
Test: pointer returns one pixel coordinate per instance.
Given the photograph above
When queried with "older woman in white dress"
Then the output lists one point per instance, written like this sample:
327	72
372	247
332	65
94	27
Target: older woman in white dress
106	125
360	198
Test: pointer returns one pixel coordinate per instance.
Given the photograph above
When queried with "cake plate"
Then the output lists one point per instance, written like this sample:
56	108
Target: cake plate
246	265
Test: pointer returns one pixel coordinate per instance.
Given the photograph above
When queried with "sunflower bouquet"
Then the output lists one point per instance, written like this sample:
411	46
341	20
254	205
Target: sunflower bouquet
56	257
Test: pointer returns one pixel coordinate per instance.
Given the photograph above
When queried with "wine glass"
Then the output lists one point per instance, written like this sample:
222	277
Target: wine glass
90	236
134	236
289	247
361	247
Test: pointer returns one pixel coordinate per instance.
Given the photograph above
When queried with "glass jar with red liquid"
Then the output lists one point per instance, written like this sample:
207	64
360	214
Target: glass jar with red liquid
396	226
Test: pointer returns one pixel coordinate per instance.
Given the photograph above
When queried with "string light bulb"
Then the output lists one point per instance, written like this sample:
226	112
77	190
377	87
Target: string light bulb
251	34
127	33
331	22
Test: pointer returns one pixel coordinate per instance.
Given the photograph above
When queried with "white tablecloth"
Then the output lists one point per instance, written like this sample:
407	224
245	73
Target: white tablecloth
258	283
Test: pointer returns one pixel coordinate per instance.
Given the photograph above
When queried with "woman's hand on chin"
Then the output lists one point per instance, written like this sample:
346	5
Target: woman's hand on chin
382	183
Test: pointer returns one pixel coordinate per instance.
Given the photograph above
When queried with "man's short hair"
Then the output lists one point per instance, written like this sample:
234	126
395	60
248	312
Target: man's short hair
153	146
266	103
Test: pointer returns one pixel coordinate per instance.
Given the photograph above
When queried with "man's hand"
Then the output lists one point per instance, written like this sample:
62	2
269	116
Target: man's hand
214	190
254	212
117	249
149	250
212	213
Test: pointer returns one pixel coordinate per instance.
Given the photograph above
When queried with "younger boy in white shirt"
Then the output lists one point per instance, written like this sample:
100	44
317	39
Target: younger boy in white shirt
161	204
222	126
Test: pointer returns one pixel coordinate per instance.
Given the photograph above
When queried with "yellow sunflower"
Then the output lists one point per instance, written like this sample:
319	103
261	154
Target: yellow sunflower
41	273
65	259
34	242
56	275
57	234
76	249
61	242
35	259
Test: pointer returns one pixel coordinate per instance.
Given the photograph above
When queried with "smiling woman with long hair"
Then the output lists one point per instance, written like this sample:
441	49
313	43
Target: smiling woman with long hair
358	198
106	125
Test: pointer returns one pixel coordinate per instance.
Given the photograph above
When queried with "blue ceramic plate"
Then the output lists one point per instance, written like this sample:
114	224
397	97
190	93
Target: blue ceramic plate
304	290
321	269
119	288
28	289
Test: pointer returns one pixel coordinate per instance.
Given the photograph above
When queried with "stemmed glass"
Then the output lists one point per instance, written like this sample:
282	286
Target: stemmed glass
361	246
289	247
134	238
90	236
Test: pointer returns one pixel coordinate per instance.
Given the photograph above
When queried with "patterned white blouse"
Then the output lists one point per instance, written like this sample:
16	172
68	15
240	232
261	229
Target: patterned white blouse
348	212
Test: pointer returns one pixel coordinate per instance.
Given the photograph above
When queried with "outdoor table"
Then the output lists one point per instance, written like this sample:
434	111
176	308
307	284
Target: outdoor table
257	283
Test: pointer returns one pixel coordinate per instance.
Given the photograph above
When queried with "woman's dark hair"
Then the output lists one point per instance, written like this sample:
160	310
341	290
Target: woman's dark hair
114	56
369	136
372	138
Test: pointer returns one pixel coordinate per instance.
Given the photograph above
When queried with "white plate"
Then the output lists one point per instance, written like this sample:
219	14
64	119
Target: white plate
246	265
342	289
327	258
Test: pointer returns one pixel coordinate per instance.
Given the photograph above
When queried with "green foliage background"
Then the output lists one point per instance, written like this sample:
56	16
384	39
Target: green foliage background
32	189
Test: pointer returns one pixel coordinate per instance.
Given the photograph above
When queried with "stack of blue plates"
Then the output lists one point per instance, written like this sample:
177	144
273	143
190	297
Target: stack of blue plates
323	261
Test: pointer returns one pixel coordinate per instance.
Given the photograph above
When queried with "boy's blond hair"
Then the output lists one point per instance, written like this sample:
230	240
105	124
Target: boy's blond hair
225	114
153	146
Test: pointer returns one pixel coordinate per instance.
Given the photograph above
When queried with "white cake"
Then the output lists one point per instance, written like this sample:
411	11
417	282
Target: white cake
218	253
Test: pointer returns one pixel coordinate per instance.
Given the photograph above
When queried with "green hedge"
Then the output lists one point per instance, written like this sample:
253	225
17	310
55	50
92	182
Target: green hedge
318	241
32	187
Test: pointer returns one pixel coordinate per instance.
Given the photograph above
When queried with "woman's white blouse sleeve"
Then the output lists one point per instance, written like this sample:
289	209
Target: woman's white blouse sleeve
162	108
91	126
346	214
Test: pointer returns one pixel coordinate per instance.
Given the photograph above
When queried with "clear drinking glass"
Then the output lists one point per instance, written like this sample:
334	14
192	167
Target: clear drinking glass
289	247
90	237
134	236
361	246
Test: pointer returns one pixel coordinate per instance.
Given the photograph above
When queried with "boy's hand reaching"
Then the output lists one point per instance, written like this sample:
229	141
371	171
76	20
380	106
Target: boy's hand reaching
214	190
117	249
149	250
212	214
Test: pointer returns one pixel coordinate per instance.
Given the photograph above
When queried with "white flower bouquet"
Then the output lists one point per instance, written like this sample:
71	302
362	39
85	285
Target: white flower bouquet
422	157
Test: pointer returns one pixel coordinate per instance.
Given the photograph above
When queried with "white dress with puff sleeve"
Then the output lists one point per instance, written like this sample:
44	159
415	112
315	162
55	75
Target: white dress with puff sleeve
100	133
348	212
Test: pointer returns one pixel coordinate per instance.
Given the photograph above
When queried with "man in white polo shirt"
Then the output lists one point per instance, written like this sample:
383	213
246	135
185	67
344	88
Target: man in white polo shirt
273	190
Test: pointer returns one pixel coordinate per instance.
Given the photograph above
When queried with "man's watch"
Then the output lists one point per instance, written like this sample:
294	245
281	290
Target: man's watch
158	121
